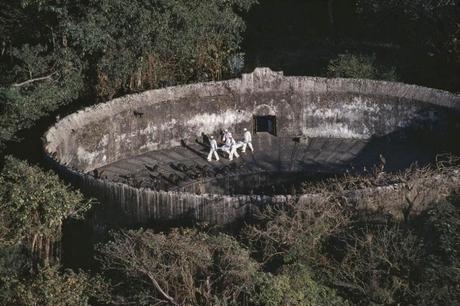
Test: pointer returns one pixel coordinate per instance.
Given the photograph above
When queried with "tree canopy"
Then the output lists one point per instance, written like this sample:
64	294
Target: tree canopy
58	53
54	52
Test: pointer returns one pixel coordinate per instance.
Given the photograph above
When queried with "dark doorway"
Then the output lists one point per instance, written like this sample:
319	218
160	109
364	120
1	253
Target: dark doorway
265	124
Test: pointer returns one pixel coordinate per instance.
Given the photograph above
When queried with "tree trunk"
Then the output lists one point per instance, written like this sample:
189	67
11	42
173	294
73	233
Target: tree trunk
162	292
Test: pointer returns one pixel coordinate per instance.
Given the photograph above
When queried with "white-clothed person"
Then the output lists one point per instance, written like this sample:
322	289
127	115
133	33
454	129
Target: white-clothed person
247	140
213	149
232	147
225	136
228	138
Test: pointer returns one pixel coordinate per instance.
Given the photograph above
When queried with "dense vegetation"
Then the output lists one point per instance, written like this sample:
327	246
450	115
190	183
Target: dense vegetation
420	39
33	205
321	251
57	55
54	52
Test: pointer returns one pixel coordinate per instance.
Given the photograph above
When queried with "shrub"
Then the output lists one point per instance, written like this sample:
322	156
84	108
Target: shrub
359	66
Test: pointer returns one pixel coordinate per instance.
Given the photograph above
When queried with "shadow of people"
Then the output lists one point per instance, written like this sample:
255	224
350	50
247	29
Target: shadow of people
206	139
201	154
205	142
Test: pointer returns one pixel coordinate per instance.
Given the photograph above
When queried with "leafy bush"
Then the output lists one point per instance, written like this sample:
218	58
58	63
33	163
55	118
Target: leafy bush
22	104
294	286
436	22
137	44
53	52
182	267
33	204
439	272
51	287
295	232
360	67
378	263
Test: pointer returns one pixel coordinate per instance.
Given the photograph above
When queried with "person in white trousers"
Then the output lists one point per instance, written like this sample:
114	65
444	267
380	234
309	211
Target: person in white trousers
213	149
247	140
232	148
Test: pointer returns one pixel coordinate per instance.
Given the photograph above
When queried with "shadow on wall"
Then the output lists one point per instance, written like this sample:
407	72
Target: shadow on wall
418	142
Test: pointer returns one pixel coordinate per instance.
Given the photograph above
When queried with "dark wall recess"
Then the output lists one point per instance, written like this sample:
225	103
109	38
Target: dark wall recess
265	124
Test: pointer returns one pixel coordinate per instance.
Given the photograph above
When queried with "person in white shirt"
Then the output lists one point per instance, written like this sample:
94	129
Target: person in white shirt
232	147
228	138
225	135
213	144
247	140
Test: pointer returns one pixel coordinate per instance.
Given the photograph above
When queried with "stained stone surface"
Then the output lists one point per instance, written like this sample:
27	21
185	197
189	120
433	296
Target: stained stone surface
277	164
142	155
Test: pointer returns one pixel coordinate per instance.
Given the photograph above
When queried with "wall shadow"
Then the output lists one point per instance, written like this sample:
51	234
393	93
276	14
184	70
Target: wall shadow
418	142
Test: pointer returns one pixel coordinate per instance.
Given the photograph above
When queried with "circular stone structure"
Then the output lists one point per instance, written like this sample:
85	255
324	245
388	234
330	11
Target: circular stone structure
144	155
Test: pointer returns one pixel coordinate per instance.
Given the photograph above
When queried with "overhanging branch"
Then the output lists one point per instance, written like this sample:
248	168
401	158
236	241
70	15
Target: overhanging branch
47	77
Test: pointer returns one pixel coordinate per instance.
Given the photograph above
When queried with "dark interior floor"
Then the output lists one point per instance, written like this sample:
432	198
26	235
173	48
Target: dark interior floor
174	169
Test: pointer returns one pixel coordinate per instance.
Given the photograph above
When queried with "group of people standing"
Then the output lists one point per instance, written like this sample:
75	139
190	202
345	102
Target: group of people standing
230	145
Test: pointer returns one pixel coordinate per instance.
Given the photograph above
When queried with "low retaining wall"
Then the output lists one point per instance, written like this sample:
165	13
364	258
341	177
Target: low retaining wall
159	119
123	205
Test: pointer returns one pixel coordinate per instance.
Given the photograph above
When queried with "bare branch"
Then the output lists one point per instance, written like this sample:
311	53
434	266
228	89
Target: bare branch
34	80
157	286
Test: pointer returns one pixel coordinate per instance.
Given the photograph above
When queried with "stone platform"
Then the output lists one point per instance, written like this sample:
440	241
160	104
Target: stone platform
180	168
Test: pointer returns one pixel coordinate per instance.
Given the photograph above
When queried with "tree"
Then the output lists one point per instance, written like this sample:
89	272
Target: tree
33	204
295	232
431	25
182	267
438	276
294	285
51	287
378	264
40	74
136	45
360	67
54	52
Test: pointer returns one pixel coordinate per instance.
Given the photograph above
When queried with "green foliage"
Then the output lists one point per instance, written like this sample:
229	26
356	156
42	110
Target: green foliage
295	232
14	263
431	25
439	273
34	202
408	262
185	267
51	52
377	265
22	108
413	9
441	224
290	239
136	45
39	74
360	67
294	286
54	51
50	287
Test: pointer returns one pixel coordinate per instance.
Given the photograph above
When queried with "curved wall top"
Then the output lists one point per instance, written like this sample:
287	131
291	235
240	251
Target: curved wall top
159	119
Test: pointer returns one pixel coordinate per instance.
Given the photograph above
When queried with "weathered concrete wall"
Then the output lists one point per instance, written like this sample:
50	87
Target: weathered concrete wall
267	183
161	118
123	205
